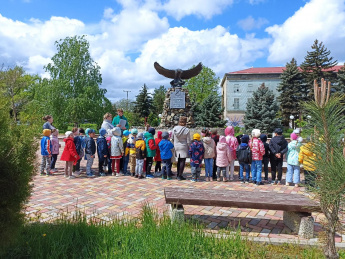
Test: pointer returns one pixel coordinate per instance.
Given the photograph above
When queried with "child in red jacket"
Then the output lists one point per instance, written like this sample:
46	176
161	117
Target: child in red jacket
158	159
69	154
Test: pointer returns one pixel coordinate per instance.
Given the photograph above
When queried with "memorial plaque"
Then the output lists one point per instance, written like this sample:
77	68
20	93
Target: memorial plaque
177	100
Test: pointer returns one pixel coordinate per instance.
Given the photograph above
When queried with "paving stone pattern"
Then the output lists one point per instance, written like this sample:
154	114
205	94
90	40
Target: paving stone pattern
110	196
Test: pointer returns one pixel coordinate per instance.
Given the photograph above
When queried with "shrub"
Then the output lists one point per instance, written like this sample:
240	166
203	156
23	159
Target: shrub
18	147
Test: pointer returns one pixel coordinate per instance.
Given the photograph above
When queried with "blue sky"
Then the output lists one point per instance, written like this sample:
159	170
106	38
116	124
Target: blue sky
127	36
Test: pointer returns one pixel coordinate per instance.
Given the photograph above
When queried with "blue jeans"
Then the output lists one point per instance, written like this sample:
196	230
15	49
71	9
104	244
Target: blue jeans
125	163
195	171
208	167
295	171
256	170
247	168
166	170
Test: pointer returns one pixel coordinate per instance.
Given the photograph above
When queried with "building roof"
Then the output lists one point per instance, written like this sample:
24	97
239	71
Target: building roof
268	70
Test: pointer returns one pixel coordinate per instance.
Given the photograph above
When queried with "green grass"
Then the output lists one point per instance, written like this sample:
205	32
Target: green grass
145	237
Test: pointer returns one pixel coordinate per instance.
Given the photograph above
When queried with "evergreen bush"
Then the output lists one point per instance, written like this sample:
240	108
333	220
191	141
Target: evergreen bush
18	145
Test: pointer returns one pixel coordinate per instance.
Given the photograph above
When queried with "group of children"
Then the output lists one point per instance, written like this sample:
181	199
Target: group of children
116	149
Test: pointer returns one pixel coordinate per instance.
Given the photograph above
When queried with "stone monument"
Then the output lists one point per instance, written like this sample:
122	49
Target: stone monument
177	102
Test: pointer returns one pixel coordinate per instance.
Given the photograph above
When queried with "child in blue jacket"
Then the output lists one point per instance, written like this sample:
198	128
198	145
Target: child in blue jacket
46	152
165	147
102	151
196	152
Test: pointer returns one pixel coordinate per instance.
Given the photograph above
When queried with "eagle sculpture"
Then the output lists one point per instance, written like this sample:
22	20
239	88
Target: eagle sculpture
178	74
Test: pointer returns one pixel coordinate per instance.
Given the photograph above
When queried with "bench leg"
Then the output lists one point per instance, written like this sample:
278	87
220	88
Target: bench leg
176	213
300	222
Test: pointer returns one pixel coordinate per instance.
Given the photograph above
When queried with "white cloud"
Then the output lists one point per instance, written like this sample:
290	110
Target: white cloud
318	19
202	8
250	23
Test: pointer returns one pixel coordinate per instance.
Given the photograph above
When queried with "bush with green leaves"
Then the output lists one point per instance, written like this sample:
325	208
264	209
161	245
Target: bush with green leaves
18	145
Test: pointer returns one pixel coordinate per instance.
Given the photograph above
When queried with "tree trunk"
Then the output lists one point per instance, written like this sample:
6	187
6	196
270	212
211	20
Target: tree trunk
329	250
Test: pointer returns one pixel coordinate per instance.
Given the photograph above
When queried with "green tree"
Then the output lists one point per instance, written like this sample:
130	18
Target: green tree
340	86
290	91
143	103
328	181
261	111
14	83
316	65
203	85
158	99
18	145
126	105
209	113
73	93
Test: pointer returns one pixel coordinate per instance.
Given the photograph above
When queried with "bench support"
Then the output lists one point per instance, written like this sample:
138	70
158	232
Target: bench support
300	222
176	213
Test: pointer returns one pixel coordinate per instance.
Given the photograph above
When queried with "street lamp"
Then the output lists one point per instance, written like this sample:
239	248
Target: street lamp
292	121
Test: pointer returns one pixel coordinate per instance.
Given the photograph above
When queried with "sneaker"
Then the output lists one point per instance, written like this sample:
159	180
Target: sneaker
287	184
296	185
89	175
49	174
71	177
242	181
136	176
132	174
117	174
182	178
141	177
149	176
76	173
193	180
43	174
218	179
278	183
231	178
169	178
274	183
259	183
211	179
247	181
254	182
225	179
102	174
207	179
158	174
65	175
164	177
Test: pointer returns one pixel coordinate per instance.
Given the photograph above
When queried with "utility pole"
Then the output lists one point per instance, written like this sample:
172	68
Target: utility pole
127	99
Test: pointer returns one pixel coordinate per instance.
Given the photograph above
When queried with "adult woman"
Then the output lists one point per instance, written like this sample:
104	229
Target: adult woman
107	118
181	140
48	122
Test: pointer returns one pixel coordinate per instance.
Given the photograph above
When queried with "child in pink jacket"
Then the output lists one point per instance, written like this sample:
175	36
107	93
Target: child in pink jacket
223	158
54	139
258	151
232	142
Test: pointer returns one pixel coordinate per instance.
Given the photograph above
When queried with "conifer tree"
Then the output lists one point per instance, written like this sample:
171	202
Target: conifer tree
316	65
261	111
209	112
143	102
340	86
290	91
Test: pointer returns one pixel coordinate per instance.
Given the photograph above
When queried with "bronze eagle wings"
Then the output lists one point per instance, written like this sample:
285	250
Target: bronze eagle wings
178	74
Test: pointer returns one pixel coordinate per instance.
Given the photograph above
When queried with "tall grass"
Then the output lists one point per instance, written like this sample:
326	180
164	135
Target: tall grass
146	237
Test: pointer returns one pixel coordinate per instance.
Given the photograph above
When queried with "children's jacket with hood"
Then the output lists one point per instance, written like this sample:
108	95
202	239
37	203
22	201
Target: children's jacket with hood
140	149
231	141
210	147
157	141
55	144
45	146
223	153
181	141
293	152
131	145
307	157
102	147
116	143
243	152
196	153
125	141
165	147
151	146
258	149
69	153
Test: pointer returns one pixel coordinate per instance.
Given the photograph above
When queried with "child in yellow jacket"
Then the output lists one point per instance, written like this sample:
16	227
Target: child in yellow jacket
140	148
307	158
132	151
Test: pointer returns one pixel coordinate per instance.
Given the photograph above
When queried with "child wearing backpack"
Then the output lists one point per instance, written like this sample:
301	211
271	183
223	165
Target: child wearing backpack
244	157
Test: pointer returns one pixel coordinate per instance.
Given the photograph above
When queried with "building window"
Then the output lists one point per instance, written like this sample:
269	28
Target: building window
250	88
236	103
236	88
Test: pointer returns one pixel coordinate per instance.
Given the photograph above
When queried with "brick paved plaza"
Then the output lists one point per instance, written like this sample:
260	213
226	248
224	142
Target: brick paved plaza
110	196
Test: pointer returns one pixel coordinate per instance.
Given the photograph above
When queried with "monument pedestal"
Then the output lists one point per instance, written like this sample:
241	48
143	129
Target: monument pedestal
177	103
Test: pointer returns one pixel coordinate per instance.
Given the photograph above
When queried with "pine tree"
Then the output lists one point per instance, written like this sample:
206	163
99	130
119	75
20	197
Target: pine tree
158	99
143	102
317	64
261	111
210	112
290	91
340	86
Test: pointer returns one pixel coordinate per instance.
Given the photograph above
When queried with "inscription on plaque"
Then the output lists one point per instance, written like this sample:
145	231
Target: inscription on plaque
177	100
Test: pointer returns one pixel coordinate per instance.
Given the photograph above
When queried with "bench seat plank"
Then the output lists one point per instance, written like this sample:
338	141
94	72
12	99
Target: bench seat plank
241	199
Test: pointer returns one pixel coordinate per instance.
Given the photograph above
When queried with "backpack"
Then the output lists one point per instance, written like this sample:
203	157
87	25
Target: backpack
244	155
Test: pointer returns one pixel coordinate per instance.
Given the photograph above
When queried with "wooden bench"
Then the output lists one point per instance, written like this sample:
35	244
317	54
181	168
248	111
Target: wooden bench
297	208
